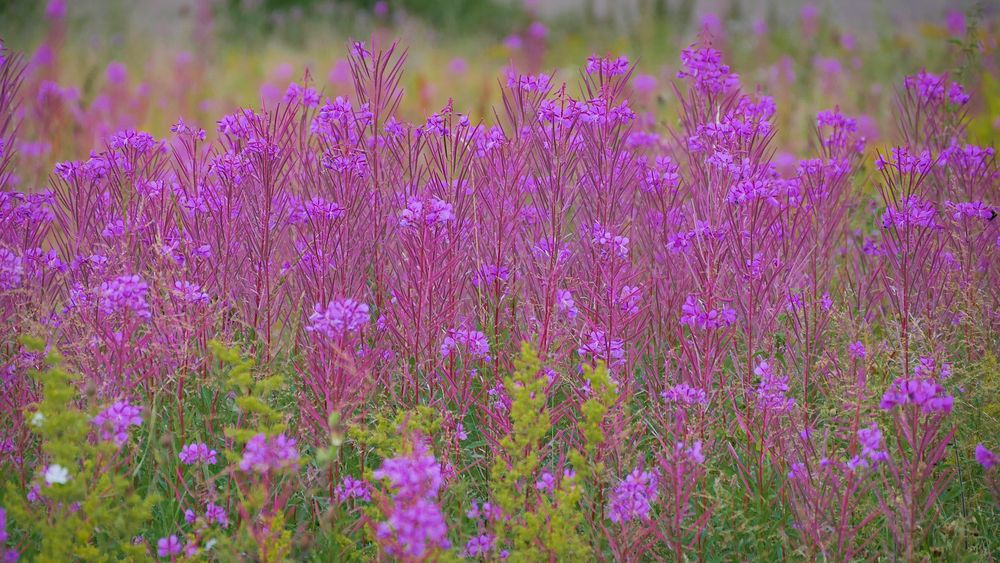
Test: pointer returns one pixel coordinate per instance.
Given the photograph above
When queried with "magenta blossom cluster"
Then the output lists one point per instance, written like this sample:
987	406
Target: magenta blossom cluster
935	88
417	475
607	66
125	293
473	342
263	454
695	315
772	390
704	66
634	496
351	488
339	316
922	389
113	422
872	447
169	546
480	545
685	394
988	459
197	452
415	524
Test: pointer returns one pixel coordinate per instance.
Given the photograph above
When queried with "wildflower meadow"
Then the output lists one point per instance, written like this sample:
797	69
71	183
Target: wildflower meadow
584	311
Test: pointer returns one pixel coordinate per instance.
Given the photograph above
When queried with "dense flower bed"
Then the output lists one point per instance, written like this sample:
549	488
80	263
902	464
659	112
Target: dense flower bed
301	332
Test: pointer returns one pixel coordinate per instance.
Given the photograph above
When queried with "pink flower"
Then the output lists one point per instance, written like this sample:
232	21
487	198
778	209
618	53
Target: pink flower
115	421
263	455
168	547
338	317
633	497
985	457
351	488
197	452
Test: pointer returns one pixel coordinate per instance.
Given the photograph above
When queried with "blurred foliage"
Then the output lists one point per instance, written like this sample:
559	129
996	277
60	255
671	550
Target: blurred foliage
451	16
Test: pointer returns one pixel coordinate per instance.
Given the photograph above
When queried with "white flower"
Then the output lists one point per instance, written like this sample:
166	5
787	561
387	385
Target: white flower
37	419
209	544
56	475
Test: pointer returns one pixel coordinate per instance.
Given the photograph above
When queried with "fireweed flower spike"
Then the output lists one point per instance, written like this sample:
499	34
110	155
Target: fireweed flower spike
191	454
986	458
351	488
168	547
634	496
414	525
264	455
339	316
113	422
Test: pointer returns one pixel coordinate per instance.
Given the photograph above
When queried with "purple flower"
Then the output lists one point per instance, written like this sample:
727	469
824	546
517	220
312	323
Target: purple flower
971	210
190	293
262	455
923	392
546	482
703	65
433	213
412	476
489	274
692	453
308	96
473	341
488	511
347	162
479	545
836	129
139	141
695	315
633	496
125	293
957	95
928	86
3	526
528	83
351	488
857	462
184	129
798	471
685	394
599	347
11	270
985	457
168	547
115	421
857	350
566	304
616	244
772	389
339	316
905	161
414	523
197	452
871	444
217	514
628	300
412	529
607	66
913	212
